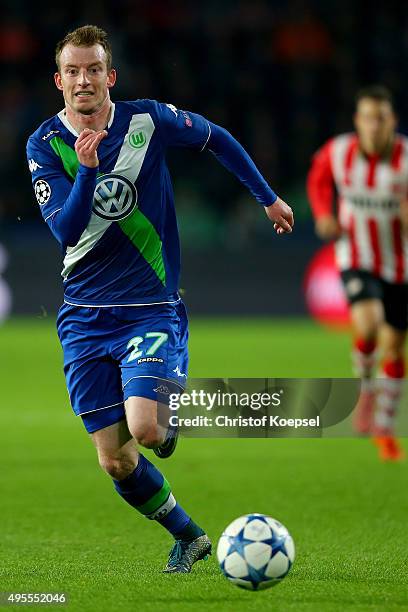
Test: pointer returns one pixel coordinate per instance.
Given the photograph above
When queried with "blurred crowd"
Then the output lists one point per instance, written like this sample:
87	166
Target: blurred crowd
280	76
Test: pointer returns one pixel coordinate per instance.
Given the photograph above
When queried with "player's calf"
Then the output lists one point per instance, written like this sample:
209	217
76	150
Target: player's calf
146	490
364	361
117	452
389	391
144	487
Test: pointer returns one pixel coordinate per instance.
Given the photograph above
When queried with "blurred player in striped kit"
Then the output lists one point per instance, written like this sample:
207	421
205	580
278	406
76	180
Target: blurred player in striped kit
368	171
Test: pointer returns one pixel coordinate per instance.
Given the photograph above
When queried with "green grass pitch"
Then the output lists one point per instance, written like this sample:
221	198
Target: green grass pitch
63	529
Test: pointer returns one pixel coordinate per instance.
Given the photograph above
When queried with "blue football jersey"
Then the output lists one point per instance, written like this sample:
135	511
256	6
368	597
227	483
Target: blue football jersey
129	253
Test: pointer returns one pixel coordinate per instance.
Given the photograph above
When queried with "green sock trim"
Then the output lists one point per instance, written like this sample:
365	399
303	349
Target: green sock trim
157	500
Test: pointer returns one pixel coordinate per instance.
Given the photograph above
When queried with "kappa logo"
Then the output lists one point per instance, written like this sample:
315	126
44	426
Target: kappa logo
179	373
50	134
115	197
150	360
33	166
137	140
42	191
172	108
162	389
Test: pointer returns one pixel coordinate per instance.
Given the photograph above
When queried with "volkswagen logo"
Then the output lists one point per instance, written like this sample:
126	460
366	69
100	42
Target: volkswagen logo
115	197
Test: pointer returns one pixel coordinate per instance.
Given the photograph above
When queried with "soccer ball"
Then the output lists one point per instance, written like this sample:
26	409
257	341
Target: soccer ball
255	552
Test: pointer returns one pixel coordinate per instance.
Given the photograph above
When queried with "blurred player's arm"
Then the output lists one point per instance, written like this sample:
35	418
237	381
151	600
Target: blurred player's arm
186	129
320	191
65	207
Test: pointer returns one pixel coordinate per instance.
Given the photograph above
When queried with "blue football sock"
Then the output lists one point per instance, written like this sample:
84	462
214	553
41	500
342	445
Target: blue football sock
148	491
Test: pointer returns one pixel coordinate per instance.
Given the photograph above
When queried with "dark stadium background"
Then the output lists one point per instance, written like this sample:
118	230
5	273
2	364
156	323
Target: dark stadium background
280	76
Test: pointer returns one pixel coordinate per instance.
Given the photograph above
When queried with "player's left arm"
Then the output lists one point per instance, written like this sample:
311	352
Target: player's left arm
182	128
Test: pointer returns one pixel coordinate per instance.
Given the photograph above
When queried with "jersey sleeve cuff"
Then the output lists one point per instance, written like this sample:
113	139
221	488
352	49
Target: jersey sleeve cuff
87	171
268	199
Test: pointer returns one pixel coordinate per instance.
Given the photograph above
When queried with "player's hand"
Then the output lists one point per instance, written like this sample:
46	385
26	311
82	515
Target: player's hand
281	216
86	147
327	227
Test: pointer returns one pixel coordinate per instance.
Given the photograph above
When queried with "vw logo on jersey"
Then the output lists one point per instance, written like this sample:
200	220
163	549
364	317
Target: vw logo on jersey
115	197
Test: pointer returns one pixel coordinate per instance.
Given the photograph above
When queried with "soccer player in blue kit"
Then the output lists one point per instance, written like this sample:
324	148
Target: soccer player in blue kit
100	178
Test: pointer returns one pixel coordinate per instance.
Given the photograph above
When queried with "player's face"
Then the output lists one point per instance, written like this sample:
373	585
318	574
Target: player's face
375	123
83	78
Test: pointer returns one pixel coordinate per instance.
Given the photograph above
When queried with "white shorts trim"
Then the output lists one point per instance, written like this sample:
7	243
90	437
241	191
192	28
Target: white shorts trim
97	409
119	305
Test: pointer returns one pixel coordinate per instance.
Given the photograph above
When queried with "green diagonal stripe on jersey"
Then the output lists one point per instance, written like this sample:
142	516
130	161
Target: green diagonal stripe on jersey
157	500
143	235
67	154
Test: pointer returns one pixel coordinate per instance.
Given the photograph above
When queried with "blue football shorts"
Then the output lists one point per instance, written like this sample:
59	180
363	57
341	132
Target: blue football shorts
113	353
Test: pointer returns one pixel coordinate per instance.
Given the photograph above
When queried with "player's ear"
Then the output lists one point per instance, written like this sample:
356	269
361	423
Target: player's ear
58	81
111	77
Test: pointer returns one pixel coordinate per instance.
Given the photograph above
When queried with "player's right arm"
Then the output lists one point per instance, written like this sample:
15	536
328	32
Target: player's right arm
187	129
65	206
320	191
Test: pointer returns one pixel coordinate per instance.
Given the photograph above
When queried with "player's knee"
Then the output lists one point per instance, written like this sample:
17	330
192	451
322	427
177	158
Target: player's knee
148	436
117	467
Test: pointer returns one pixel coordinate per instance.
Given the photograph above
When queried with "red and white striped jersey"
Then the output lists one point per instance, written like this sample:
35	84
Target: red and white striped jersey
370	190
